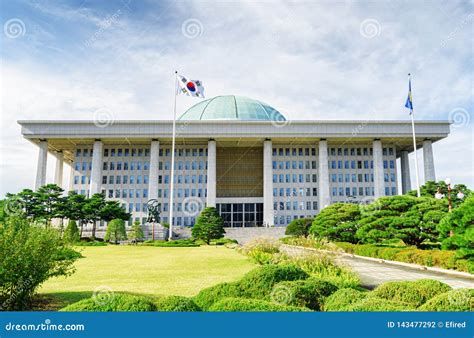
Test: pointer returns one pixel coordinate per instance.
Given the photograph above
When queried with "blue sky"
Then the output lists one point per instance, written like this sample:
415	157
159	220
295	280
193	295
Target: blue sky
310	60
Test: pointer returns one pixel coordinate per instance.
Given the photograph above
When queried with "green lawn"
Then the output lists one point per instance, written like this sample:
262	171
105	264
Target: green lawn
146	270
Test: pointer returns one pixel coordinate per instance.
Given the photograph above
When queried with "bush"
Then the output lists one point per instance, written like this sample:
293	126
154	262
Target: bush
91	243
299	227
223	241
337	222
113	302
442	258
308	293
259	282
343	298
115	231
252	305
372	304
206	297
262	250
209	225
136	233
454	300
29	255
71	233
179	243
176	304
415	293
324	267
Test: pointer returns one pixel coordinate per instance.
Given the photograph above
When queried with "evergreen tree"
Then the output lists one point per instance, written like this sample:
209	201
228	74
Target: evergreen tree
116	231
136	233
71	234
209	225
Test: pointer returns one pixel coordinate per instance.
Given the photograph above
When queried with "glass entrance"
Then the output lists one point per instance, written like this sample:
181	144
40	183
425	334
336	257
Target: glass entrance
241	214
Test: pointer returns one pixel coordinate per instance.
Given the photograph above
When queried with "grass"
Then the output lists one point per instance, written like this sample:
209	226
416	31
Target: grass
144	270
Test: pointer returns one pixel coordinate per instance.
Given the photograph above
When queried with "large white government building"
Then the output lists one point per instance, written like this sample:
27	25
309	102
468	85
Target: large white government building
238	154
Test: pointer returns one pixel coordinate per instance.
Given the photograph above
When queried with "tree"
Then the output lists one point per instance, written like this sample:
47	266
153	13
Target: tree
113	210
430	188
136	233
71	234
116	231
26	200
75	209
459	223
29	255
92	210
209	225
337	222
49	202
299	227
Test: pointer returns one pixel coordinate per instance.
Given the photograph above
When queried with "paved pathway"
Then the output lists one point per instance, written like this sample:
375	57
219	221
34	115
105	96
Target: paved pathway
375	273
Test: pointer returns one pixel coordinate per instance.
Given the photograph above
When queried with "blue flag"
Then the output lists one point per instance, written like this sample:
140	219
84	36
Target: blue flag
409	103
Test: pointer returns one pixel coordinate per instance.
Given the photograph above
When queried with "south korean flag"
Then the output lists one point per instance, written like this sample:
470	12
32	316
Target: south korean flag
189	87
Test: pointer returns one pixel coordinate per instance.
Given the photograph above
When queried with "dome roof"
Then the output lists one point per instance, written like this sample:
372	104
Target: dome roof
230	107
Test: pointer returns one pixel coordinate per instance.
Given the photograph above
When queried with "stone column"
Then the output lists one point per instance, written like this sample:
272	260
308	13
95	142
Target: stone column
405	171
42	163
379	183
324	195
428	161
154	164
96	173
268	214
211	173
71	176
58	171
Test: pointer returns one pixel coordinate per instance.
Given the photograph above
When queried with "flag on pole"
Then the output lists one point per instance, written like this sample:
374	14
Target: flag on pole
189	87
409	102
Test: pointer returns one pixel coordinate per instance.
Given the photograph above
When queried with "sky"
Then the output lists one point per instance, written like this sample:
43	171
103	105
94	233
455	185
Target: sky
308	59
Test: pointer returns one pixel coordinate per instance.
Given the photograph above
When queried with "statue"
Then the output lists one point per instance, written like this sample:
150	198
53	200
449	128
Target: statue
154	211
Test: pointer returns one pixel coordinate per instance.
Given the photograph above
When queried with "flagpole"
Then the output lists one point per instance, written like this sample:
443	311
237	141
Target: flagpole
170	236
414	147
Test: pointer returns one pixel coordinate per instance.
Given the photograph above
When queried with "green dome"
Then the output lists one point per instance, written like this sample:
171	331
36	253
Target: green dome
230	107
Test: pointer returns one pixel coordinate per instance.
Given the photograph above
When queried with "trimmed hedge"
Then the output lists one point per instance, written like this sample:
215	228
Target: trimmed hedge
176	304
180	243
259	282
370	304
308	293
206	297
343	298
442	258
252	305
454	300
415	293
114	302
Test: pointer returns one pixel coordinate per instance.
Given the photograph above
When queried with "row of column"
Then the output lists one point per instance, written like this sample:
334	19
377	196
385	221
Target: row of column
268	212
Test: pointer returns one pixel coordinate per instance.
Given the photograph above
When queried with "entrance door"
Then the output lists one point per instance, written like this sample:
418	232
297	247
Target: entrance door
241	214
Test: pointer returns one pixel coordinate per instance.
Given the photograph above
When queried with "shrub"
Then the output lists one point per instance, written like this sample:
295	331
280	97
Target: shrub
259	282
209	225
262	250
223	241
115	231
179	243
343	298
91	243
136	233
113	302
206	297
251	305
454	300
370	304
299	227
415	293
177	304
308	293
71	233
324	267
29	255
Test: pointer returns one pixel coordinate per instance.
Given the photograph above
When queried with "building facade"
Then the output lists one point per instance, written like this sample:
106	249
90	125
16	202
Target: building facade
237	154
